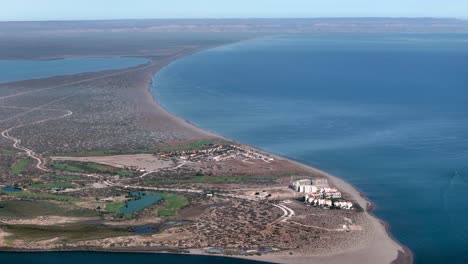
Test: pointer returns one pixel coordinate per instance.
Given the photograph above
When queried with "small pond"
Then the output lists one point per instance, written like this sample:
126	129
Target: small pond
11	189
140	201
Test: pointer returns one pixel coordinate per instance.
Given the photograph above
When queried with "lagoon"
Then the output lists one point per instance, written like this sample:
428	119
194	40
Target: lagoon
16	70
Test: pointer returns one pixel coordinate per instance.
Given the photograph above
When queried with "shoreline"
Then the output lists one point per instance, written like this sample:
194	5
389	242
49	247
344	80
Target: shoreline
403	256
407	254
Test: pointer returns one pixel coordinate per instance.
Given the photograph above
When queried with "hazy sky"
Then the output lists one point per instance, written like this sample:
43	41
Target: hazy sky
119	9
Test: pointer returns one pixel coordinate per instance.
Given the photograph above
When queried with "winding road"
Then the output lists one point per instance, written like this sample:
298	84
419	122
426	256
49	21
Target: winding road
16	142
287	212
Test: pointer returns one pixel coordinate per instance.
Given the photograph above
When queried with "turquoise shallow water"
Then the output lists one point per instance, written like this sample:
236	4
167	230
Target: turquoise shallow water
15	70
10	189
140	202
388	113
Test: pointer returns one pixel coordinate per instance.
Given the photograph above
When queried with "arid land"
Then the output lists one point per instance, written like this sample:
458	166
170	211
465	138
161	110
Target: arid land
83	148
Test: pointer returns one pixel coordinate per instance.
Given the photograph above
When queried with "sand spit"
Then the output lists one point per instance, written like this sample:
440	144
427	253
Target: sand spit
380	247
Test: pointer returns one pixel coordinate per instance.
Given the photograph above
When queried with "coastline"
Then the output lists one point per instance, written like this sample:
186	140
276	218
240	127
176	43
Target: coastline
404	255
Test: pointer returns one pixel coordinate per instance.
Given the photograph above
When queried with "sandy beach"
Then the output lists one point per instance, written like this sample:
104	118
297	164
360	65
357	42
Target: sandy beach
381	248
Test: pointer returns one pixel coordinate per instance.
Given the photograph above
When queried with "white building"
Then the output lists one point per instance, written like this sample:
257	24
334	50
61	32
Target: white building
304	186
302	182
320	183
299	186
343	205
330	193
310	188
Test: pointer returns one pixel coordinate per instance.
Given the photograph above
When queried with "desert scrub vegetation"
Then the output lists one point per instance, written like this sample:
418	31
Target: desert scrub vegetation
32	209
218	179
163	147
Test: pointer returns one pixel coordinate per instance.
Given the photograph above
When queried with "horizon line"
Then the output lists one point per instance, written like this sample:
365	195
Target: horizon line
240	18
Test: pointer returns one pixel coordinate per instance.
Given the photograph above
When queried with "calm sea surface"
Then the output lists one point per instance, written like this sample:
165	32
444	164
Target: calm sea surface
388	113
15	70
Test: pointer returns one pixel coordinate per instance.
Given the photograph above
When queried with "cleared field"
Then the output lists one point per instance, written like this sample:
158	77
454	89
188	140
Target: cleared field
147	162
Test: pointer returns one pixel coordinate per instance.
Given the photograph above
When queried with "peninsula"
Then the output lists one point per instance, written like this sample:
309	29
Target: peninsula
91	161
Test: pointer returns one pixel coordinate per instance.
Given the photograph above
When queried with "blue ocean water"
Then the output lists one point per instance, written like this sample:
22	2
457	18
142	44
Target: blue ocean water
388	113
112	258
16	70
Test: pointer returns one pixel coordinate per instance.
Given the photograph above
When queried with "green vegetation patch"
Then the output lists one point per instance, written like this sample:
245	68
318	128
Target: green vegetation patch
90	167
219	179
65	167
114	207
52	185
32	209
174	203
66	177
67	233
21	166
39	196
